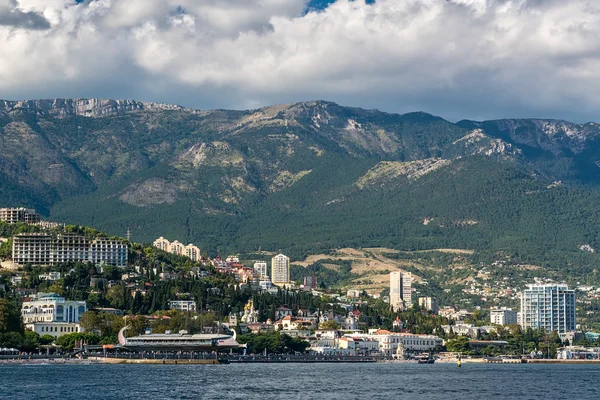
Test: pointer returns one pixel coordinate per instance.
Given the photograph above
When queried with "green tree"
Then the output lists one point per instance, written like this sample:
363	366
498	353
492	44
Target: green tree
67	342
459	345
10	316
331	324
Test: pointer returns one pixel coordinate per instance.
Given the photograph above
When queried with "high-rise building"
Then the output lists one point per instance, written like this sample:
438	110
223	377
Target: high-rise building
162	244
429	304
400	290
192	252
280	269
548	306
45	249
177	248
503	316
14	215
261	269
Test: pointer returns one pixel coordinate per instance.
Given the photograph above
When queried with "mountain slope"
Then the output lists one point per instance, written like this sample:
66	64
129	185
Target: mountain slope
306	176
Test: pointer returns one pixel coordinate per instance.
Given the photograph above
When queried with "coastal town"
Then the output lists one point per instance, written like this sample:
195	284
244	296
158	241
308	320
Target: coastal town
78	291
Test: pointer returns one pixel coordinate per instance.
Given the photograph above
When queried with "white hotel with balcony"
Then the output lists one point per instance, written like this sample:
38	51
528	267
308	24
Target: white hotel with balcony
51	314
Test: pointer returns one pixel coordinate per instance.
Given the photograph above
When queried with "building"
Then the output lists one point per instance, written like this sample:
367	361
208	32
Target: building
183	305
310	282
50	276
177	248
45	249
503	316
280	270
281	312
250	315
108	251
192	252
14	215
400	290
261	269
32	248
389	341
51	314
548	306
429	304
162	244
55	329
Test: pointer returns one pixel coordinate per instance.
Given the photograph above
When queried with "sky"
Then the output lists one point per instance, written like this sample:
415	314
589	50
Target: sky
474	59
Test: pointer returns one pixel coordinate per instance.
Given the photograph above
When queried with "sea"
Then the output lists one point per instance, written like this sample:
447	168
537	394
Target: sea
300	381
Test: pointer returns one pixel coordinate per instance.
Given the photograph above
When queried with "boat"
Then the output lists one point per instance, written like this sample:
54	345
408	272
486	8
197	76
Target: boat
425	358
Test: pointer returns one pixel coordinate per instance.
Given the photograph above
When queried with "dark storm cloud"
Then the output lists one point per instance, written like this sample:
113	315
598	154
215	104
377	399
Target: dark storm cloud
11	16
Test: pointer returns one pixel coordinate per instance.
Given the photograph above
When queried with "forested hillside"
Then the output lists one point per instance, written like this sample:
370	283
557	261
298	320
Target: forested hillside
307	177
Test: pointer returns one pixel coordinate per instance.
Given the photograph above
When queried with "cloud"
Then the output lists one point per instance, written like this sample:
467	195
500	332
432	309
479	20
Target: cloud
454	58
12	16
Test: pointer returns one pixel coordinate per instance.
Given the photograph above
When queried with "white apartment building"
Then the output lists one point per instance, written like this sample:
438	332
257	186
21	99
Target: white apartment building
400	290
162	244
49	313
192	252
280	269
45	249
261	269
14	215
548	306
176	247
183	305
503	316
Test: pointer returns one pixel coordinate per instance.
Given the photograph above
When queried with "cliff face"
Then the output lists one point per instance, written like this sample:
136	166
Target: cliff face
299	174
80	107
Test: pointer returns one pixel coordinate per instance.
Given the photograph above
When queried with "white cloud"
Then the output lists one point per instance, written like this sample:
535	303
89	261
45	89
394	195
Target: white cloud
457	58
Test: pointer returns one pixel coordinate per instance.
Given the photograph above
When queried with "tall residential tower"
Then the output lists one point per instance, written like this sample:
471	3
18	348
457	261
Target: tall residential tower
548	306
400	290
280	270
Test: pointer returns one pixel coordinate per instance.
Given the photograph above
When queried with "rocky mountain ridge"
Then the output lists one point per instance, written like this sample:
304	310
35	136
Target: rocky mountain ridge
303	175
81	107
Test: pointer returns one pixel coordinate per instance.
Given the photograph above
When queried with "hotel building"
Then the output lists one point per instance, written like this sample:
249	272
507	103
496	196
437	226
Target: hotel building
389	341
51	314
45	249
548	306
14	215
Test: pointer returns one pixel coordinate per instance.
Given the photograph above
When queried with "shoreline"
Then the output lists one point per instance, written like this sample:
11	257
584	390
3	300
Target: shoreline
222	361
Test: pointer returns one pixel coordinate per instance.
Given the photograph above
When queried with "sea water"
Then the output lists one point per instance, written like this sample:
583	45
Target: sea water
300	381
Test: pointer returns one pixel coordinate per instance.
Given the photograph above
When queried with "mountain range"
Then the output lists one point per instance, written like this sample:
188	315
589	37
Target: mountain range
308	177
